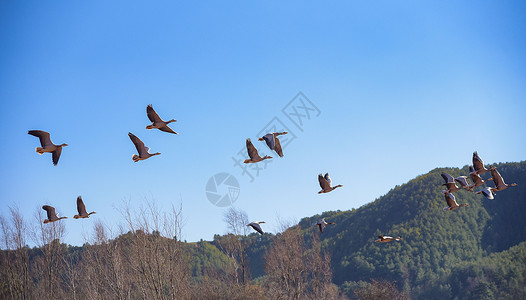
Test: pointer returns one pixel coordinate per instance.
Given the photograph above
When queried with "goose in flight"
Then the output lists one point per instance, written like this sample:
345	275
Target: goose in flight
450	183
499	182
256	227
51	215
451	202
47	145
487	192
272	141
463	181
321	224
325	183
81	208
253	154
478	164
144	152
157	122
386	239
477	180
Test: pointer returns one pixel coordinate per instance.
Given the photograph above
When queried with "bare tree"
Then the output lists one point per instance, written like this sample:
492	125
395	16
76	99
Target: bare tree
47	237
380	290
235	243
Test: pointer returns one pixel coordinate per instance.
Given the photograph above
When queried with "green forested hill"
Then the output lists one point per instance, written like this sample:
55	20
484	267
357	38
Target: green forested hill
435	242
474	252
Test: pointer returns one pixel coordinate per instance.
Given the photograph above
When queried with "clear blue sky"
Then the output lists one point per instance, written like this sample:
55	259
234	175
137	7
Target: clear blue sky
403	87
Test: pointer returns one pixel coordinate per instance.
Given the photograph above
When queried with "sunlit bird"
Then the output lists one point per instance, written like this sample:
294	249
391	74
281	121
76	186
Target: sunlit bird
253	154
272	141
386	239
499	182
321	224
451	202
81	208
47	145
463	181
477	180
325	184
157	122
51	215
450	183
478	164
487	192
144	152
256	227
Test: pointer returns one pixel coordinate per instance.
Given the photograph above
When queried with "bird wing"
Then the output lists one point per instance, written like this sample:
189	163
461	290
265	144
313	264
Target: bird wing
497	178
323	182
256	227
450	199
43	136
50	210
81	208
448	178
478	164
328	178
462	180
487	192
252	151
269	140
56	155
139	145
277	147
165	128
152	115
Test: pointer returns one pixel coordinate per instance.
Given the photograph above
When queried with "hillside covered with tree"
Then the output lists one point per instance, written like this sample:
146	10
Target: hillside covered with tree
474	252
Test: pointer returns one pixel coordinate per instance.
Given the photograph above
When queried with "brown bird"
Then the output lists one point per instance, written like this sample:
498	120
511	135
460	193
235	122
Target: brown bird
51	215
81	208
253	154
157	122
499	182
144	152
256	227
47	145
386	239
272	141
477	180
325	183
321	224
478	164
451	202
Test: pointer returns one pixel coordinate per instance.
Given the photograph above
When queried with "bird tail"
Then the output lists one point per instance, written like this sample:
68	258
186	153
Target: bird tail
446	208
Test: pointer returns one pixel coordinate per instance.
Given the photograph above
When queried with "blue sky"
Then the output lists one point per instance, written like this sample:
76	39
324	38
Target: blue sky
402	88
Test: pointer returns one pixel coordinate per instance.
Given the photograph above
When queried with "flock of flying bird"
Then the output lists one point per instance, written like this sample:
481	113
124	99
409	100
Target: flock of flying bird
474	174
272	141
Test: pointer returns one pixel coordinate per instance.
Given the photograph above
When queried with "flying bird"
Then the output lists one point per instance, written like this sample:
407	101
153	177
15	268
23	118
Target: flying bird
157	122
321	224
386	239
487	192
451	202
499	182
463	181
450	183
256	227
477	180
325	183
144	152
253	154
272	141
51	215
47	145
478	164
81	208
